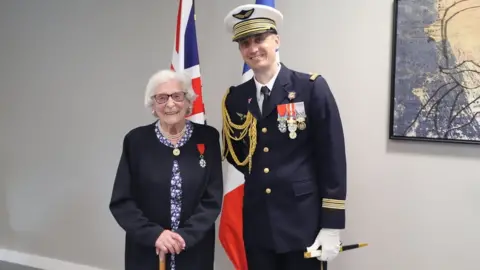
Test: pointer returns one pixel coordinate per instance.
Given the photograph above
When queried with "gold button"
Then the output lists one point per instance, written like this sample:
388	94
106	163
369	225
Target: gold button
265	149
264	130
266	170
268	191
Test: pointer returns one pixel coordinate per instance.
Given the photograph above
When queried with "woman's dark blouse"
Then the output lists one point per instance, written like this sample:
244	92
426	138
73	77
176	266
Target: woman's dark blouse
142	201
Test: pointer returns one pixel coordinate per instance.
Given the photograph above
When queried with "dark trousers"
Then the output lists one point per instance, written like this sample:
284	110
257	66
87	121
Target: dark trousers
261	259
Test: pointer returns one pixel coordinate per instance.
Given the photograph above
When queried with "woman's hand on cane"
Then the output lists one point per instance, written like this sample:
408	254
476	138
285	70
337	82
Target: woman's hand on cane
169	242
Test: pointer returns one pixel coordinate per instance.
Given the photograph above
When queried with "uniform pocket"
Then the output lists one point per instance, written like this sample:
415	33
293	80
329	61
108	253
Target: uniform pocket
303	187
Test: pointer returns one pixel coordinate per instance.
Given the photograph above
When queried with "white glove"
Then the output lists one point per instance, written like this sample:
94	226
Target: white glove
329	239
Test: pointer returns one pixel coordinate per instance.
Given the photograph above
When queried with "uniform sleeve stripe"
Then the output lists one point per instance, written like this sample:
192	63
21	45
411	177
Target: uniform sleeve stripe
333	206
333	203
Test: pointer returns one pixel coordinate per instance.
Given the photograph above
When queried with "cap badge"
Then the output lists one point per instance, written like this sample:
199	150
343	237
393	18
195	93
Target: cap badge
244	14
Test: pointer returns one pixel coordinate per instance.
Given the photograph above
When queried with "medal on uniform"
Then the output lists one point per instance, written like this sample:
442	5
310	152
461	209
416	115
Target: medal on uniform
301	115
282	118
291	122
291	95
301	123
201	150
176	151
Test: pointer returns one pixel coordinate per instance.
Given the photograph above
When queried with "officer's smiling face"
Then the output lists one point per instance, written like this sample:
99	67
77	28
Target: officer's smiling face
259	51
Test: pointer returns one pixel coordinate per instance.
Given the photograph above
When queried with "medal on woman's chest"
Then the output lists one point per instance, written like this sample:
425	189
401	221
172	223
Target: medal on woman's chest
201	150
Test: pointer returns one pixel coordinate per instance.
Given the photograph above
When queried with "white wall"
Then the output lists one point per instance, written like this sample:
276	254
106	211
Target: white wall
72	75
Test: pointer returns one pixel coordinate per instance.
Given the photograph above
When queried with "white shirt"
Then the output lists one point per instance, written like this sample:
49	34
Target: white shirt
269	85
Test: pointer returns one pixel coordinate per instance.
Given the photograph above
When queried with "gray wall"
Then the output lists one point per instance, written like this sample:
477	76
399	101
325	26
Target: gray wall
72	75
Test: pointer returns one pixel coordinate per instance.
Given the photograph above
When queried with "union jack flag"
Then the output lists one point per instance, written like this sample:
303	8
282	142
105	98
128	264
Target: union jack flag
185	55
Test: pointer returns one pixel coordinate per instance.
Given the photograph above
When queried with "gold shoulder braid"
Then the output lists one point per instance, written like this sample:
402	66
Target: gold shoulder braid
249	126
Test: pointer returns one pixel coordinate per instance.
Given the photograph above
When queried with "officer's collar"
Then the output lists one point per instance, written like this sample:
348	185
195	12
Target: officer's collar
270	83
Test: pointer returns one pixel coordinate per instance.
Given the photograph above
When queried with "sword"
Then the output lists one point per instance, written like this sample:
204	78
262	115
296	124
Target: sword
316	253
324	264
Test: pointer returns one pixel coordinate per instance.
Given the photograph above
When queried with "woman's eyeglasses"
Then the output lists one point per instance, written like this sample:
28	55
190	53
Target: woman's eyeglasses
163	98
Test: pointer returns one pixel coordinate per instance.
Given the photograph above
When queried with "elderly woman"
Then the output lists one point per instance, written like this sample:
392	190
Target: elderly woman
168	187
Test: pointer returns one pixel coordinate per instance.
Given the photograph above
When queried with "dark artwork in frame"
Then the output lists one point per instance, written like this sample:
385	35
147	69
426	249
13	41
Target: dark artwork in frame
435	83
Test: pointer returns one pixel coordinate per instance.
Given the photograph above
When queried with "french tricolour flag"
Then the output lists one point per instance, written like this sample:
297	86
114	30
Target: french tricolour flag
185	55
231	220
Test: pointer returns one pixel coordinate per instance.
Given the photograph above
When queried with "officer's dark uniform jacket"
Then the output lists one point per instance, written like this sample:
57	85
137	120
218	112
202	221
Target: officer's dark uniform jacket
293	187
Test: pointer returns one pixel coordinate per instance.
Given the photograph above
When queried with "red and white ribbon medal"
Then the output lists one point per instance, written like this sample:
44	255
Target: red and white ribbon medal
292	120
282	117
201	150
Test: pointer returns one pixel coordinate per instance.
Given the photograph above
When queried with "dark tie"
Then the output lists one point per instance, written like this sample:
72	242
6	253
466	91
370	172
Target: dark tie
266	95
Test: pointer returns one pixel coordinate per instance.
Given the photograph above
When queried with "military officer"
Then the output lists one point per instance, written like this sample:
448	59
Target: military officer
282	130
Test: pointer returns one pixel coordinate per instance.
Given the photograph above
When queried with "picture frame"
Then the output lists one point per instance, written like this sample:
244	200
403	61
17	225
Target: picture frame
435	73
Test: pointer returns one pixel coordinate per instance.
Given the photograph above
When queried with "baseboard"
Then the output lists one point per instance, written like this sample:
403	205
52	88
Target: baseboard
44	263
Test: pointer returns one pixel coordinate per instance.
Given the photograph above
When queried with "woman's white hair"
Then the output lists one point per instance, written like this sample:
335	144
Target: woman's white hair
167	75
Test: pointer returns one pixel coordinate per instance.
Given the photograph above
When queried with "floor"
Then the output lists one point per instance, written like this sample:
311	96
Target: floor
10	266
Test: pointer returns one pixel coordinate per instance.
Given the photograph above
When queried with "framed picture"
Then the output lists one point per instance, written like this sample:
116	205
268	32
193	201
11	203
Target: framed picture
435	83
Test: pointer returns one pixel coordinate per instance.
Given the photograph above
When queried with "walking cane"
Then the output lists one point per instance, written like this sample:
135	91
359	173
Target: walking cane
161	261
